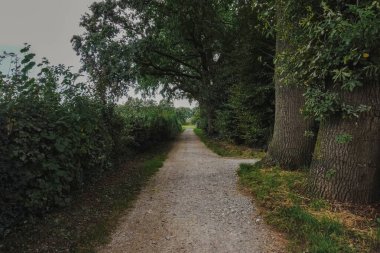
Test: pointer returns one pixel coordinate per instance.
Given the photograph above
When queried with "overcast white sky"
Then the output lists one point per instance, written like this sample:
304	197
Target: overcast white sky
47	25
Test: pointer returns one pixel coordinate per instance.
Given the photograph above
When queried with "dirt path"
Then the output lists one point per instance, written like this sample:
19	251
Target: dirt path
192	205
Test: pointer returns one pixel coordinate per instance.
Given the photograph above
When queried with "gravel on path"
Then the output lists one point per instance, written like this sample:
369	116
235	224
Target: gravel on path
193	205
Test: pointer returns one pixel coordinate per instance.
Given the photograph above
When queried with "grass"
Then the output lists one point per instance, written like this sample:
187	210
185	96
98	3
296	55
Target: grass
227	149
93	215
184	127
312	225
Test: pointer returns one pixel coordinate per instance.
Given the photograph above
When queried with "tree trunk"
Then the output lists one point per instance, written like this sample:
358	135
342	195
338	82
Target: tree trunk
346	162
289	148
210	114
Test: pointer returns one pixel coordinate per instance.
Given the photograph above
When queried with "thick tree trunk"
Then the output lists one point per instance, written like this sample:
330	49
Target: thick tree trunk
208	117
210	114
346	162
289	148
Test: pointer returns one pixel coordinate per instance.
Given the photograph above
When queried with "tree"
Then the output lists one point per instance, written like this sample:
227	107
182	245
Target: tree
100	50
289	147
167	44
184	114
338	62
247	114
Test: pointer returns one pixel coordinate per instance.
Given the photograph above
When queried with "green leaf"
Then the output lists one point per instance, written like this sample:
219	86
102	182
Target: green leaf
28	58
28	67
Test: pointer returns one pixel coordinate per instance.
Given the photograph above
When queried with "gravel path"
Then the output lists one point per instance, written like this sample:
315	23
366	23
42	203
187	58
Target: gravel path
193	205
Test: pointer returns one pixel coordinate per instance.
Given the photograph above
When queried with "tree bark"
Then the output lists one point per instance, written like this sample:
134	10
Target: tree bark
289	147
210	115
349	171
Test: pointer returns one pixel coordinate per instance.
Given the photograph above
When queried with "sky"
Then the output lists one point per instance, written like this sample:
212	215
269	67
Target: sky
47	25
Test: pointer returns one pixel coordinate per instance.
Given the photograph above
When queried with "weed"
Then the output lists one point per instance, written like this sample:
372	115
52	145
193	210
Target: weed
343	138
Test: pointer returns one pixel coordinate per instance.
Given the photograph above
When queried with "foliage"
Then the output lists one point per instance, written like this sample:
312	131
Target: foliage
313	225
109	73
224	148
53	138
147	123
196	116
337	53
199	118
343	138
185	127
246	115
168	43
91	218
56	136
184	114
197	51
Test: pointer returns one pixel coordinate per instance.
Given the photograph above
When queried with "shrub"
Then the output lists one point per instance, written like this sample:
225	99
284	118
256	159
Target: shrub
147	123
56	136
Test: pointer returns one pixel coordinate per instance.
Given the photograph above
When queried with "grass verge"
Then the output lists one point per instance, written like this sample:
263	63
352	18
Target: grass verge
227	149
93	215
184	127
312	225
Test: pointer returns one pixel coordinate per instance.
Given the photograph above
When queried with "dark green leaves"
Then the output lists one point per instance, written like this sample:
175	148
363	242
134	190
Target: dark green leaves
337	52
27	58
28	67
56	136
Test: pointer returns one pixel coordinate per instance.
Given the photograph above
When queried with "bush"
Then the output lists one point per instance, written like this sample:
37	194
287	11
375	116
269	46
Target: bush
247	117
184	115
147	123
56	136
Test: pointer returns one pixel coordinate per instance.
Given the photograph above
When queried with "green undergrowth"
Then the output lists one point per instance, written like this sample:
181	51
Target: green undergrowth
93	215
227	149
311	225
184	127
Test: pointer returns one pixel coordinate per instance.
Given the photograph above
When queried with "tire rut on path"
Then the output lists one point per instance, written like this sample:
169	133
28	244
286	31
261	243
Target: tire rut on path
193	205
